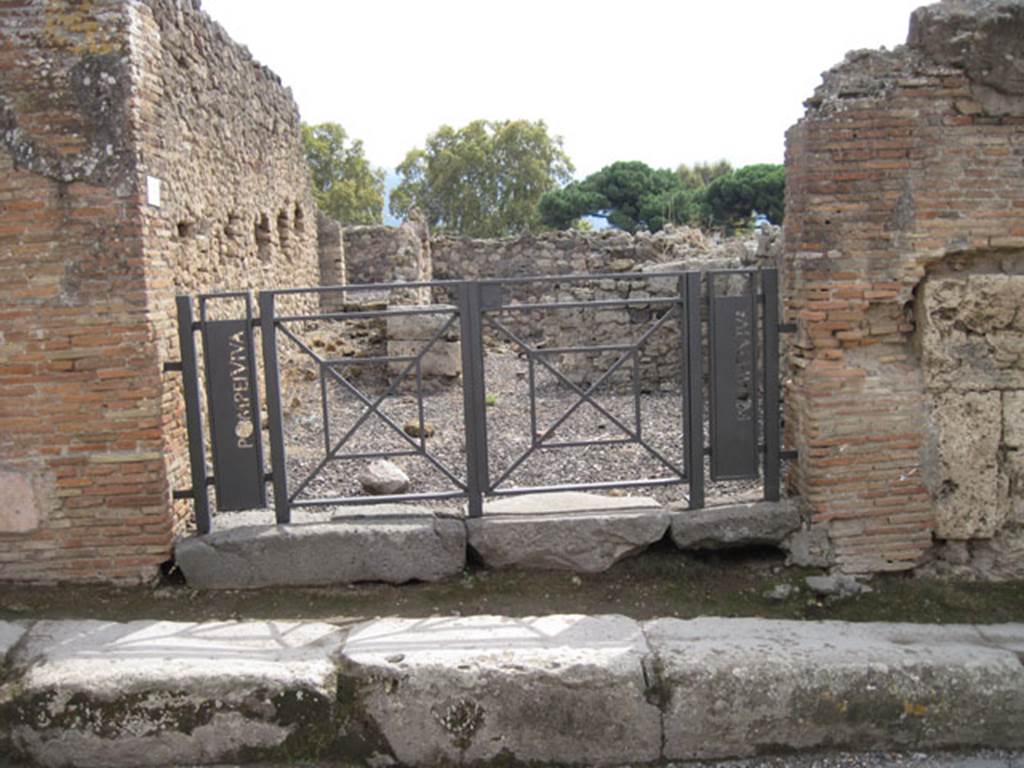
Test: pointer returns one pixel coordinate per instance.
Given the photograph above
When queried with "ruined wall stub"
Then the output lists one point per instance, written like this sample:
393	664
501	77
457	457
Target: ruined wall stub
904	269
95	99
383	254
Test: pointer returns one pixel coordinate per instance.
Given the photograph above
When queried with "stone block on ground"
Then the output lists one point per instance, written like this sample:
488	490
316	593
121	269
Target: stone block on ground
391	543
838	586
809	547
738	687
555	690
443	359
152	693
581	532
761	523
383	478
404	327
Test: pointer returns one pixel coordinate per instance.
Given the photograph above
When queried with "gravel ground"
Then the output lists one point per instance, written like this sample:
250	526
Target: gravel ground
509	428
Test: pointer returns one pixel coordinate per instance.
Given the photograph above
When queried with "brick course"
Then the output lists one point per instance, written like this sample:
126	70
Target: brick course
95	97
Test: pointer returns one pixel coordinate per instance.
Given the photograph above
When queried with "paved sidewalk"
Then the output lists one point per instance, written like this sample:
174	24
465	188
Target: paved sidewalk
558	690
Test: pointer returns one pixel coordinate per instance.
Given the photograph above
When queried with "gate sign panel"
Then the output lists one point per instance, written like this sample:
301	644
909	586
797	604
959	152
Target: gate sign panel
234	415
734	454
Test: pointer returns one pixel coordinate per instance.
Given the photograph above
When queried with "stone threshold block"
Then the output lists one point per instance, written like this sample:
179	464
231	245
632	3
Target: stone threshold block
740	687
388	543
153	693
582	532
759	523
490	690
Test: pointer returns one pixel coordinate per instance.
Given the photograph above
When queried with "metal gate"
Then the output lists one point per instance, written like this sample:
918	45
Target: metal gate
727	340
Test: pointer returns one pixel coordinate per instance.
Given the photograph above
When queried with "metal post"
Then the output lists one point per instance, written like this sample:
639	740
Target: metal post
772	441
193	415
694	414
268	336
473	395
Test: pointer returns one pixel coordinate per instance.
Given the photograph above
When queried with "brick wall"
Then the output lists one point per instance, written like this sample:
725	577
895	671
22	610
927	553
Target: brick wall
905	161
94	98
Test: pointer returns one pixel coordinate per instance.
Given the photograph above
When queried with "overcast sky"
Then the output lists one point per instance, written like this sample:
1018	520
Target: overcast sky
662	81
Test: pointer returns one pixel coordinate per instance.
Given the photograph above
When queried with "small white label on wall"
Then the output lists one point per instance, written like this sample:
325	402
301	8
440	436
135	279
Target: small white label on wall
153	191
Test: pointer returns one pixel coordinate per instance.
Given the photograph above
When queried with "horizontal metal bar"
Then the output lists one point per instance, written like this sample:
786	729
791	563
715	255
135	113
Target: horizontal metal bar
373	455
363	287
661	301
369	360
224	295
173	366
787	327
586	443
198	324
589	486
569	350
341	501
189	494
364	314
736	271
353	515
577	277
789	455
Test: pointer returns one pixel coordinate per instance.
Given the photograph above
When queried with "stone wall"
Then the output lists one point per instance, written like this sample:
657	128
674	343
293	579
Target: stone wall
99	103
381	254
561	253
609	252
385	254
903	253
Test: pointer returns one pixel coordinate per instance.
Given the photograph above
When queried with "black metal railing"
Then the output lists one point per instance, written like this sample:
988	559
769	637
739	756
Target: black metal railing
726	321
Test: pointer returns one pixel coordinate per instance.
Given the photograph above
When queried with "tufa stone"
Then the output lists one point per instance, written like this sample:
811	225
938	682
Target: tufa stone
383	478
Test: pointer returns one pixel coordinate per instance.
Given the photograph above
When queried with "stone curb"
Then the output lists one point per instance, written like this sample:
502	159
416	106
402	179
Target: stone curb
491	690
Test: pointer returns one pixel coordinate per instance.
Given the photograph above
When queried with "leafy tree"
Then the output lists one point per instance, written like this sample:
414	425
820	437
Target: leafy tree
629	194
632	196
702	174
345	186
482	180
730	199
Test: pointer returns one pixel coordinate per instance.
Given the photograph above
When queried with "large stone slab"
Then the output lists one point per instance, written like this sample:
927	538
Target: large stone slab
95	693
736	525
409	544
11	633
555	690
581	532
736	687
1009	637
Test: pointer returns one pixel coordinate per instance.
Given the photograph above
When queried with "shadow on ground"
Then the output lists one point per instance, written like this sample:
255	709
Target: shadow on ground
660	582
